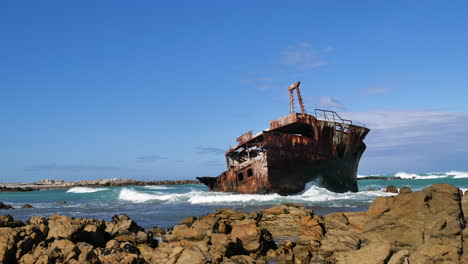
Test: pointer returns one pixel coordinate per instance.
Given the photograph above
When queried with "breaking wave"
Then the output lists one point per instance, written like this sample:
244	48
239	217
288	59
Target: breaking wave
157	187
131	195
429	176
434	175
85	190
313	195
457	174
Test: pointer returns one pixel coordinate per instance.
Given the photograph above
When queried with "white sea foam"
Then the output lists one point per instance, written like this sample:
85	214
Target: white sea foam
85	190
405	175
141	197
157	187
134	196
222	198
457	174
312	194
370	175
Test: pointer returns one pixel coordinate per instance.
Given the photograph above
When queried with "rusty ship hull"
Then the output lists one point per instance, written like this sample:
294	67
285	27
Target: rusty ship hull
295	150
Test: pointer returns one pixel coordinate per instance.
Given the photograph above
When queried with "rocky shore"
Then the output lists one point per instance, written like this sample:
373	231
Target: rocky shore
61	184
425	226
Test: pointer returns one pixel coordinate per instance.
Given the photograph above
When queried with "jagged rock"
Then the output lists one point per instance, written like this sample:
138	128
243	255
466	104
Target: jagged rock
196	253
412	227
112	244
25	206
61	184
8	221
242	259
50	181
400	257
121	225
199	230
188	221
63	250
371	254
157	231
119	257
5	206
464	204
93	235
15	189
222	245
246	234
61	226
136	238
164	253
231	214
425	225
87	253
8	240
405	190
391	189
292	220
40	223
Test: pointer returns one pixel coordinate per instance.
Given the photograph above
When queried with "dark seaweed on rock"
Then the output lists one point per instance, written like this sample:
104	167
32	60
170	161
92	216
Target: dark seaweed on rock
425	226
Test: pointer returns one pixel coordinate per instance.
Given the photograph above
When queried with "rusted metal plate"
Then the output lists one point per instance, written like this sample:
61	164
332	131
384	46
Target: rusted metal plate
245	137
296	149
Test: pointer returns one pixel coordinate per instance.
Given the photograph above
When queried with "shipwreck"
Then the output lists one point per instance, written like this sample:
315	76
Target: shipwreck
294	150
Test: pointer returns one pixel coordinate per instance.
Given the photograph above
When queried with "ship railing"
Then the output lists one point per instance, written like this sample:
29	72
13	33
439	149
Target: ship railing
328	115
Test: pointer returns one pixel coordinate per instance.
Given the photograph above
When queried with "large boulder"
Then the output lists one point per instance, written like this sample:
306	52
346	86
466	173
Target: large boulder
40	223
5	206
426	226
200	229
121	224
8	221
61	226
246	234
286	221
391	189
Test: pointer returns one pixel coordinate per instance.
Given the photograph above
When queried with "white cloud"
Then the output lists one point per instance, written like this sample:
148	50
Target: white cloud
413	140
390	128
302	57
328	101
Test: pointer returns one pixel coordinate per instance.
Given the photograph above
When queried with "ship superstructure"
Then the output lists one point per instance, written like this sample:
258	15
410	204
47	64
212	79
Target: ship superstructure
295	149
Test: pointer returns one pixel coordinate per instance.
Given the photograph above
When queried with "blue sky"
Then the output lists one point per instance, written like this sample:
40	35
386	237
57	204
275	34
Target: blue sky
158	90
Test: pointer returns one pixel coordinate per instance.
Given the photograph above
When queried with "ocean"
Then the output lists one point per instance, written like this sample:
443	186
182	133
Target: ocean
164	206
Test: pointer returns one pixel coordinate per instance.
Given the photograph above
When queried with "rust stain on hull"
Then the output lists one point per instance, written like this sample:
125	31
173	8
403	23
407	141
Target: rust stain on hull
295	149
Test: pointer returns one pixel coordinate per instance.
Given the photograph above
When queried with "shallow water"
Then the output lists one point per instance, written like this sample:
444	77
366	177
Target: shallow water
165	205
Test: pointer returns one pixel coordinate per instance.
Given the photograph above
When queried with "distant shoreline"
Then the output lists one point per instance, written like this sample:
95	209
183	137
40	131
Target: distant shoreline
379	178
60	184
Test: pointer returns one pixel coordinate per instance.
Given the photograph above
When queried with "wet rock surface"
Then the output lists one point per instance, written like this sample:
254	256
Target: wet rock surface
5	206
425	226
391	189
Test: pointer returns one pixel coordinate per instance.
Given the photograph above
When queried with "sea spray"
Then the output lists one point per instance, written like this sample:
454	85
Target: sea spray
312	195
85	190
